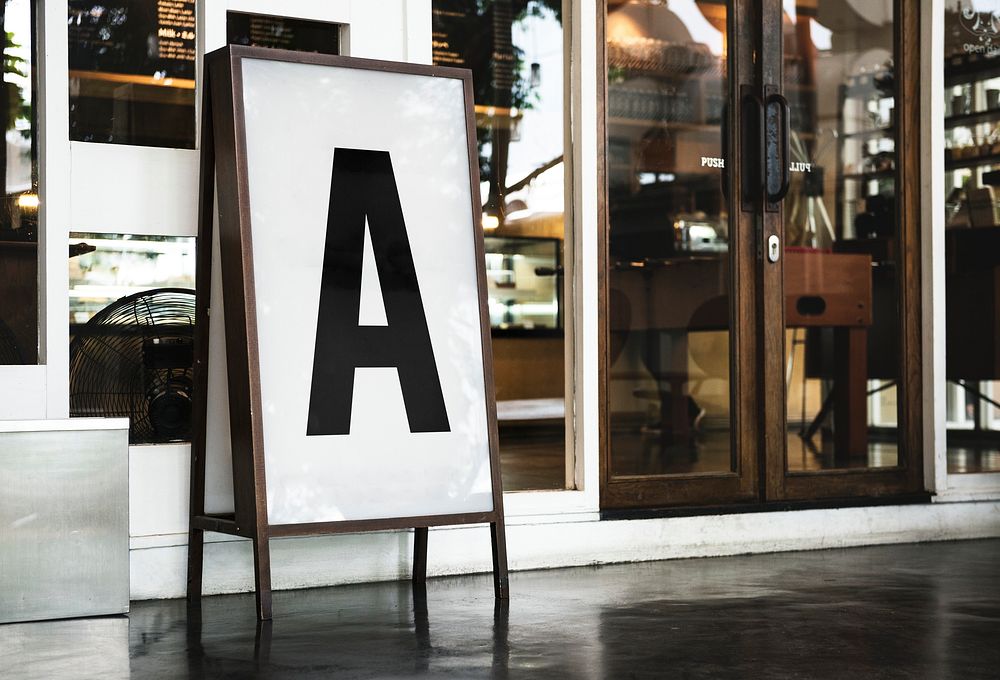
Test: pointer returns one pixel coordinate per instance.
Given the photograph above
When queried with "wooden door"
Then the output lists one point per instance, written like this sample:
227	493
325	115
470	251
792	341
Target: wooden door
760	295
679	373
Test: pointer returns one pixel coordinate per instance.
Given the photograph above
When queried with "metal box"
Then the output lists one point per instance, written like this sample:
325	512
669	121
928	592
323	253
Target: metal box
63	518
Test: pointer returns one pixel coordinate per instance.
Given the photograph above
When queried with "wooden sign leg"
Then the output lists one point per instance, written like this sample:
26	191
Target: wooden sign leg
262	573
203	297
420	557
262	645
500	583
196	535
196	557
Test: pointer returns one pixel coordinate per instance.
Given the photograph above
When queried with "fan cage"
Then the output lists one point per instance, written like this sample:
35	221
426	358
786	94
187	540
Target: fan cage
134	359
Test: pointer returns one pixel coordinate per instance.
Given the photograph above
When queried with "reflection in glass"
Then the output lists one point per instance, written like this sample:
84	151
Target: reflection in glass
515	50
131	332
19	207
841	235
132	72
972	233
285	33
106	267
669	260
523	283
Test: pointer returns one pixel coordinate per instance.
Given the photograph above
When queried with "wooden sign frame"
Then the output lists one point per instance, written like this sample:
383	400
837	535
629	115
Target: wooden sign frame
224	161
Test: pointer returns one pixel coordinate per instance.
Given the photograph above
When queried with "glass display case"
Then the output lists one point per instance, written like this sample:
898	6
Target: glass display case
523	279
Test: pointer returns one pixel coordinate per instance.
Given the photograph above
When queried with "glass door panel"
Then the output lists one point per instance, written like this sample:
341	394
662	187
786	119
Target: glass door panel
669	256
841	238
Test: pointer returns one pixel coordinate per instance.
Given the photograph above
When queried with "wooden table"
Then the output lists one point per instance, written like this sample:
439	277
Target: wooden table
689	294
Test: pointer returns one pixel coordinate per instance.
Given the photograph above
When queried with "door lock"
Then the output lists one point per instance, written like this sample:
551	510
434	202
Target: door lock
773	248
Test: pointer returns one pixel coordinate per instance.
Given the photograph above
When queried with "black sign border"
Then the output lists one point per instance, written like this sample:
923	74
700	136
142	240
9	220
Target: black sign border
224	165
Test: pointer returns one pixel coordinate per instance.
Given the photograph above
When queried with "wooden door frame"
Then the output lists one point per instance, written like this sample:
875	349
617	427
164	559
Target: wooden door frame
743	484
908	477
757	337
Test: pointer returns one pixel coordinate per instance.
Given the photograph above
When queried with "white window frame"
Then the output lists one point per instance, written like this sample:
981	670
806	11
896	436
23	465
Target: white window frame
946	486
41	390
148	180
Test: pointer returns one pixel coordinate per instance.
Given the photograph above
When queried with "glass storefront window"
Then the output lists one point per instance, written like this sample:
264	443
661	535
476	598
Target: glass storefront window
19	208
515	49
131	304
972	233
132	72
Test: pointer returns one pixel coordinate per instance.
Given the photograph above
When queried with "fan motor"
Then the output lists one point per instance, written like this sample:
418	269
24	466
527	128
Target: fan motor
170	408
168	361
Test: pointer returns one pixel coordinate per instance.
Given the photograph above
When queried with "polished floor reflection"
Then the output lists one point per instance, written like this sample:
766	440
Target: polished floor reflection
642	454
974	458
533	458
923	611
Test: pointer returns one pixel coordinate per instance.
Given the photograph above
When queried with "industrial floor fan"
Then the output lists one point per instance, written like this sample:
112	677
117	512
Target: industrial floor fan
135	359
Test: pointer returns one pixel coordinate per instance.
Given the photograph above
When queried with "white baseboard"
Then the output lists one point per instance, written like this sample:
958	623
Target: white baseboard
158	566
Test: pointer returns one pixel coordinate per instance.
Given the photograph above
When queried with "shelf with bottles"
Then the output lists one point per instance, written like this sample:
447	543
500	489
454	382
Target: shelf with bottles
969	163
962	69
968	147
866	151
866	165
972	119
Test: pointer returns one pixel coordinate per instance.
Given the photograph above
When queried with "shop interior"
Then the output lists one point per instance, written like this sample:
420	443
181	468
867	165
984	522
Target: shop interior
670	262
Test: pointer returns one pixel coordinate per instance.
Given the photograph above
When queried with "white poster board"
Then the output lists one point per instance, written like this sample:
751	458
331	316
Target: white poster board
330	149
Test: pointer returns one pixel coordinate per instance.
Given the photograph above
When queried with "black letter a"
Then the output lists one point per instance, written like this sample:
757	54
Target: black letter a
364	186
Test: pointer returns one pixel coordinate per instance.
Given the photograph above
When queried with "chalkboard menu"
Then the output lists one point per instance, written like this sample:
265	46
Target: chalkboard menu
466	37
154	39
132	72
132	65
285	33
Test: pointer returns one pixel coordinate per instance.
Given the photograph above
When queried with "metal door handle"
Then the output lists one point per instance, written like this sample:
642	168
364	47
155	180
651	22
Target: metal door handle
777	178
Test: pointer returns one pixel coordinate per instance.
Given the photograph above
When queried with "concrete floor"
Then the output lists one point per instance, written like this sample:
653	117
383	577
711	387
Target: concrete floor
912	611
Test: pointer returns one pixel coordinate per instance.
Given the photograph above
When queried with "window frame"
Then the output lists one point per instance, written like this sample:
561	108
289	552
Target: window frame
946	486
